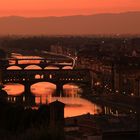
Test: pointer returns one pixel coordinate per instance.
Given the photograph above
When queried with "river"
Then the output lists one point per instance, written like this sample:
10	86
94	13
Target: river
43	91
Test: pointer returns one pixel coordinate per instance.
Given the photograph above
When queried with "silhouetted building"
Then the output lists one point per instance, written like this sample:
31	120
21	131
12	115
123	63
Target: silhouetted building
3	95
57	113
2	54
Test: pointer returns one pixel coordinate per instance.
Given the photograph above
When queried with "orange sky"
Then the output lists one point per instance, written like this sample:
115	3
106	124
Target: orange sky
65	7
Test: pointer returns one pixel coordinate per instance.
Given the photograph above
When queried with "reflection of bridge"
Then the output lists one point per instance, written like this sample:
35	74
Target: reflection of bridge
58	77
41	62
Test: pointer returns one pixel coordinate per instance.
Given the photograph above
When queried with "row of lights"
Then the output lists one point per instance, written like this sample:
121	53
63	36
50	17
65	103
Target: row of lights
10	80
13	99
106	86
71	79
62	79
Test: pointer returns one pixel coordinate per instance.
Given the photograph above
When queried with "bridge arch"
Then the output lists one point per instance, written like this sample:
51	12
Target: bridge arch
42	91
67	67
35	67
14	88
51	67
42	87
14	68
72	89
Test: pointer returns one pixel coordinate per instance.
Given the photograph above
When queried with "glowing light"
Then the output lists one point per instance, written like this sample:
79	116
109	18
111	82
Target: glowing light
97	83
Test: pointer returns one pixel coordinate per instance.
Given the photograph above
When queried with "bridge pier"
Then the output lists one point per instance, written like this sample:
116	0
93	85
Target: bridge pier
60	67
59	90
16	62
27	96
58	77
27	87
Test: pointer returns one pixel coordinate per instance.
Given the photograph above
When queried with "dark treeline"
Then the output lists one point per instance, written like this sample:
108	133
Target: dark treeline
76	42
18	123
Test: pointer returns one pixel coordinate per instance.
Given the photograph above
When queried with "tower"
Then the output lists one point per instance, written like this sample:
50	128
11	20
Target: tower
57	113
57	120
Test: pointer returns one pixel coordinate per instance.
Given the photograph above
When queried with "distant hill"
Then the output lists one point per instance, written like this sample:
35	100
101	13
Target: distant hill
123	23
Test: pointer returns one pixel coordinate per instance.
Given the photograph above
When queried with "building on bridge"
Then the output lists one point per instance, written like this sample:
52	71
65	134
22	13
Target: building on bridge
59	77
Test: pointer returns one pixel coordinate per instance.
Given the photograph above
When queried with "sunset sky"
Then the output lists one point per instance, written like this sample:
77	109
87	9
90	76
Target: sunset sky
41	8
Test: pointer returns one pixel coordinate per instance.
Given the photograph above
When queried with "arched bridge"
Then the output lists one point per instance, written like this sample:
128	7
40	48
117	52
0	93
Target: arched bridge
58	77
41	62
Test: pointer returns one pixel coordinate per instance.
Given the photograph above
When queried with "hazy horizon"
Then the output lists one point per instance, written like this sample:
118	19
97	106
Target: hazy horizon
92	14
123	23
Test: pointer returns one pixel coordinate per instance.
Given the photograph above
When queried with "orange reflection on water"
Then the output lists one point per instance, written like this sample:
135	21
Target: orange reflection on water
77	106
43	92
14	89
13	68
71	90
19	56
51	67
35	67
67	67
43	88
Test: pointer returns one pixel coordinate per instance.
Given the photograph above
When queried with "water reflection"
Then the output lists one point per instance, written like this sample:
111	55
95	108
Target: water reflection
117	111
44	92
13	68
67	67
51	67
20	56
14	89
71	90
78	106
35	67
43	88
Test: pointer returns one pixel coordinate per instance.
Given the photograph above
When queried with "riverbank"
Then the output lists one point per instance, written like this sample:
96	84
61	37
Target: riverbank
115	101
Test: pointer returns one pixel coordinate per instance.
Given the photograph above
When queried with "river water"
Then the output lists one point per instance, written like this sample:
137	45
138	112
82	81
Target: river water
43	91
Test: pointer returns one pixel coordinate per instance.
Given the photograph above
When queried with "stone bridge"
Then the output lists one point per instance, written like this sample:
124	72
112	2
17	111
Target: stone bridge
57	77
28	77
41	62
